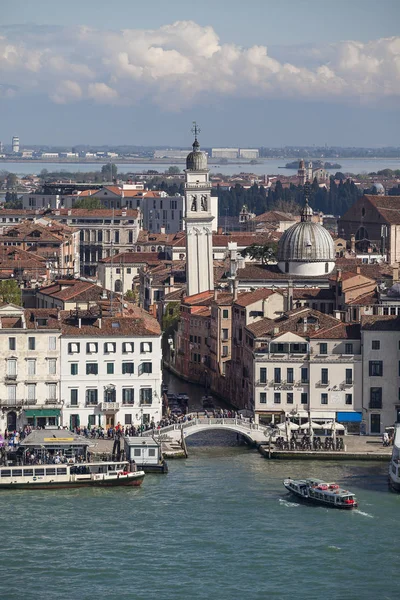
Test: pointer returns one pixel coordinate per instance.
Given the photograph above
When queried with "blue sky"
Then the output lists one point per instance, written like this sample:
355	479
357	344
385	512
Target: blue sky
257	73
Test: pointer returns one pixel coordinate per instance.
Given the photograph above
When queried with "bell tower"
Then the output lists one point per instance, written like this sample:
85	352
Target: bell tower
198	219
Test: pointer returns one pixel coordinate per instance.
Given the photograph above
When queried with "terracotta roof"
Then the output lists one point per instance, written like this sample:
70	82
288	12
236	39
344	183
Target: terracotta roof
387	206
223	299
273	216
325	326
365	299
49	315
258	272
243	239
74	289
139	324
380	323
313	294
104	213
202	298
247	298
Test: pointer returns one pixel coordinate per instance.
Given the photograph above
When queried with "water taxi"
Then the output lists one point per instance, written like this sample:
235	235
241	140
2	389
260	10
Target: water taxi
320	492
56	476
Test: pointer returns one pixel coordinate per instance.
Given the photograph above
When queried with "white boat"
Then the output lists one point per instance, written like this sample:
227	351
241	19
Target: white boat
394	467
317	491
56	476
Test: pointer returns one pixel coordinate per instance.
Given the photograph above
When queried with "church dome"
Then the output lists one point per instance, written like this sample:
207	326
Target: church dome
196	160
306	248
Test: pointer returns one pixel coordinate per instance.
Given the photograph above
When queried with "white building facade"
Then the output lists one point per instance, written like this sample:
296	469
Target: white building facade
111	373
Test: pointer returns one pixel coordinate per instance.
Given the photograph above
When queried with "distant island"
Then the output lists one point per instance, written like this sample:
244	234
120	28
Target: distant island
317	164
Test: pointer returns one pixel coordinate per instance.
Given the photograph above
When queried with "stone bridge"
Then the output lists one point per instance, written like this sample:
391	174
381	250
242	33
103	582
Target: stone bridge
253	432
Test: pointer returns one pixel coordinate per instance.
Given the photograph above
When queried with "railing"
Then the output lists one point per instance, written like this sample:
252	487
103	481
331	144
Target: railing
11	377
244	424
53	401
109	406
322	384
17	402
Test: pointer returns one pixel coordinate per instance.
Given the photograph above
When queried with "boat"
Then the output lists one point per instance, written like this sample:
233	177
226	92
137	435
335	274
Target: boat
56	476
318	491
394	466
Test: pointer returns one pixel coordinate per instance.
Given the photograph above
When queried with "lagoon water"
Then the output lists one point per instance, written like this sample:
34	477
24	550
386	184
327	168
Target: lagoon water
218	526
271	166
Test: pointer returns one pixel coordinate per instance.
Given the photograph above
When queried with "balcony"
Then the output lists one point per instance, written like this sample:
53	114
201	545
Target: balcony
145	402
16	402
11	377
347	384
109	406
322	384
52	401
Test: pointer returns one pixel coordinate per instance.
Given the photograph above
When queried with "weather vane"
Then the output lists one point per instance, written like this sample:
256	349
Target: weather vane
195	129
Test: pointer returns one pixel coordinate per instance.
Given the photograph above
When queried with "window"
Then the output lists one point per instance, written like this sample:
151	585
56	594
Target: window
263	375
74	368
51	391
324	398
349	376
348	348
277	375
52	366
277	398
128	419
31	364
225	351
91	348
91	397
225	313
12	343
127	368
349	398
146	367
146	396
110	368
323	348
52	342
304	398
128	270
304	375
324	376
92	369
225	334
74	348
128	395
375	368
263	397
73	397
12	367
127	347
290	375
376	345
110	347
11	392
375	397
31	391
289	398
31	343
152	451
146	347
116	237
91	420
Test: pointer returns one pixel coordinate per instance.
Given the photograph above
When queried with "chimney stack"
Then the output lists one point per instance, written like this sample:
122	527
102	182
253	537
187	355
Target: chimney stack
339	275
395	272
235	289
358	270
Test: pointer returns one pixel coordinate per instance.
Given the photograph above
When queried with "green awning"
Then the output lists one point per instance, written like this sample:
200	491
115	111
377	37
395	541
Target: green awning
43	412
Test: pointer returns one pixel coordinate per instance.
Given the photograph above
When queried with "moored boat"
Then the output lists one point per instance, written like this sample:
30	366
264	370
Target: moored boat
56	476
394	466
321	492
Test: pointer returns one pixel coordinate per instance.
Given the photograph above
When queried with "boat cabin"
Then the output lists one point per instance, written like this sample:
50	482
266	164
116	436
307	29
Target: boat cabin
145	452
53	446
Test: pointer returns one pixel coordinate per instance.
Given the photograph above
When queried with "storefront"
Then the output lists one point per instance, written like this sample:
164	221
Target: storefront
351	420
42	417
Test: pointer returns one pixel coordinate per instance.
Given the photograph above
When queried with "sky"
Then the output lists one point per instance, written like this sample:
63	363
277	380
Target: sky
256	73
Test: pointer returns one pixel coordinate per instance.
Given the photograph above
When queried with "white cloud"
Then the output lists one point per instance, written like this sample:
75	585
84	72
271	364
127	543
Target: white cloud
181	63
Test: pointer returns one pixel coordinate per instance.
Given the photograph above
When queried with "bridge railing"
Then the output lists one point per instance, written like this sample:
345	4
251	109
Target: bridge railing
242	423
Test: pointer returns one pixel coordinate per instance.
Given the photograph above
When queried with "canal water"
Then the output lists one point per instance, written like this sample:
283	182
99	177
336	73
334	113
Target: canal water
218	526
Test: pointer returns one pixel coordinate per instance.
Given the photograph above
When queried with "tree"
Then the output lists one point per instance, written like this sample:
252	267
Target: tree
173	170
88	203
109	171
12	200
265	253
12	181
10	292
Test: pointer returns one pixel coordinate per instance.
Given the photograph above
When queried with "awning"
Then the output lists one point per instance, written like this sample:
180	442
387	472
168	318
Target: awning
349	417
42	412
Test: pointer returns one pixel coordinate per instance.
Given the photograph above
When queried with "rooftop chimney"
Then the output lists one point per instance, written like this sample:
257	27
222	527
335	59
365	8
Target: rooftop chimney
276	330
220	231
395	272
339	275
235	289
358	270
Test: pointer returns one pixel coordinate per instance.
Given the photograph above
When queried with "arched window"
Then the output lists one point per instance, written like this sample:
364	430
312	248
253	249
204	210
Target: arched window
159	249
286	267
153	248
118	285
138	249
326	268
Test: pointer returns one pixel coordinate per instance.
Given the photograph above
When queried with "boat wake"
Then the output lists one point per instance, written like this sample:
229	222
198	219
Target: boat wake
364	514
287	503
335	548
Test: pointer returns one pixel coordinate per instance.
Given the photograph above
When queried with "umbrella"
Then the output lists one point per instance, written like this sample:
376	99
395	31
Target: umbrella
291	426
335	426
313	425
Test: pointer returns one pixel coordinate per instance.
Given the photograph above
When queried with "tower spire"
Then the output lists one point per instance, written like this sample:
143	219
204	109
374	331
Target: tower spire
306	213
195	131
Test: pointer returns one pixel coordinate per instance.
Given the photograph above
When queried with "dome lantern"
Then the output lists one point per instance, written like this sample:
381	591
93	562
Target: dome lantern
196	160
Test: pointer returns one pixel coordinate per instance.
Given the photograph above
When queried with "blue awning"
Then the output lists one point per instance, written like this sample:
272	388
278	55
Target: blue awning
348	417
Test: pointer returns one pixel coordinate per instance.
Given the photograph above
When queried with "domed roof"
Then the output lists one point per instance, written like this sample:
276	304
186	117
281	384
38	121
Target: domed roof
196	160
379	188
306	241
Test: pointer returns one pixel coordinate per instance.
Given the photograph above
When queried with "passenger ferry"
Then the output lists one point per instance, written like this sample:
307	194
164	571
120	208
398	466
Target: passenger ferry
394	467
56	476
320	492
